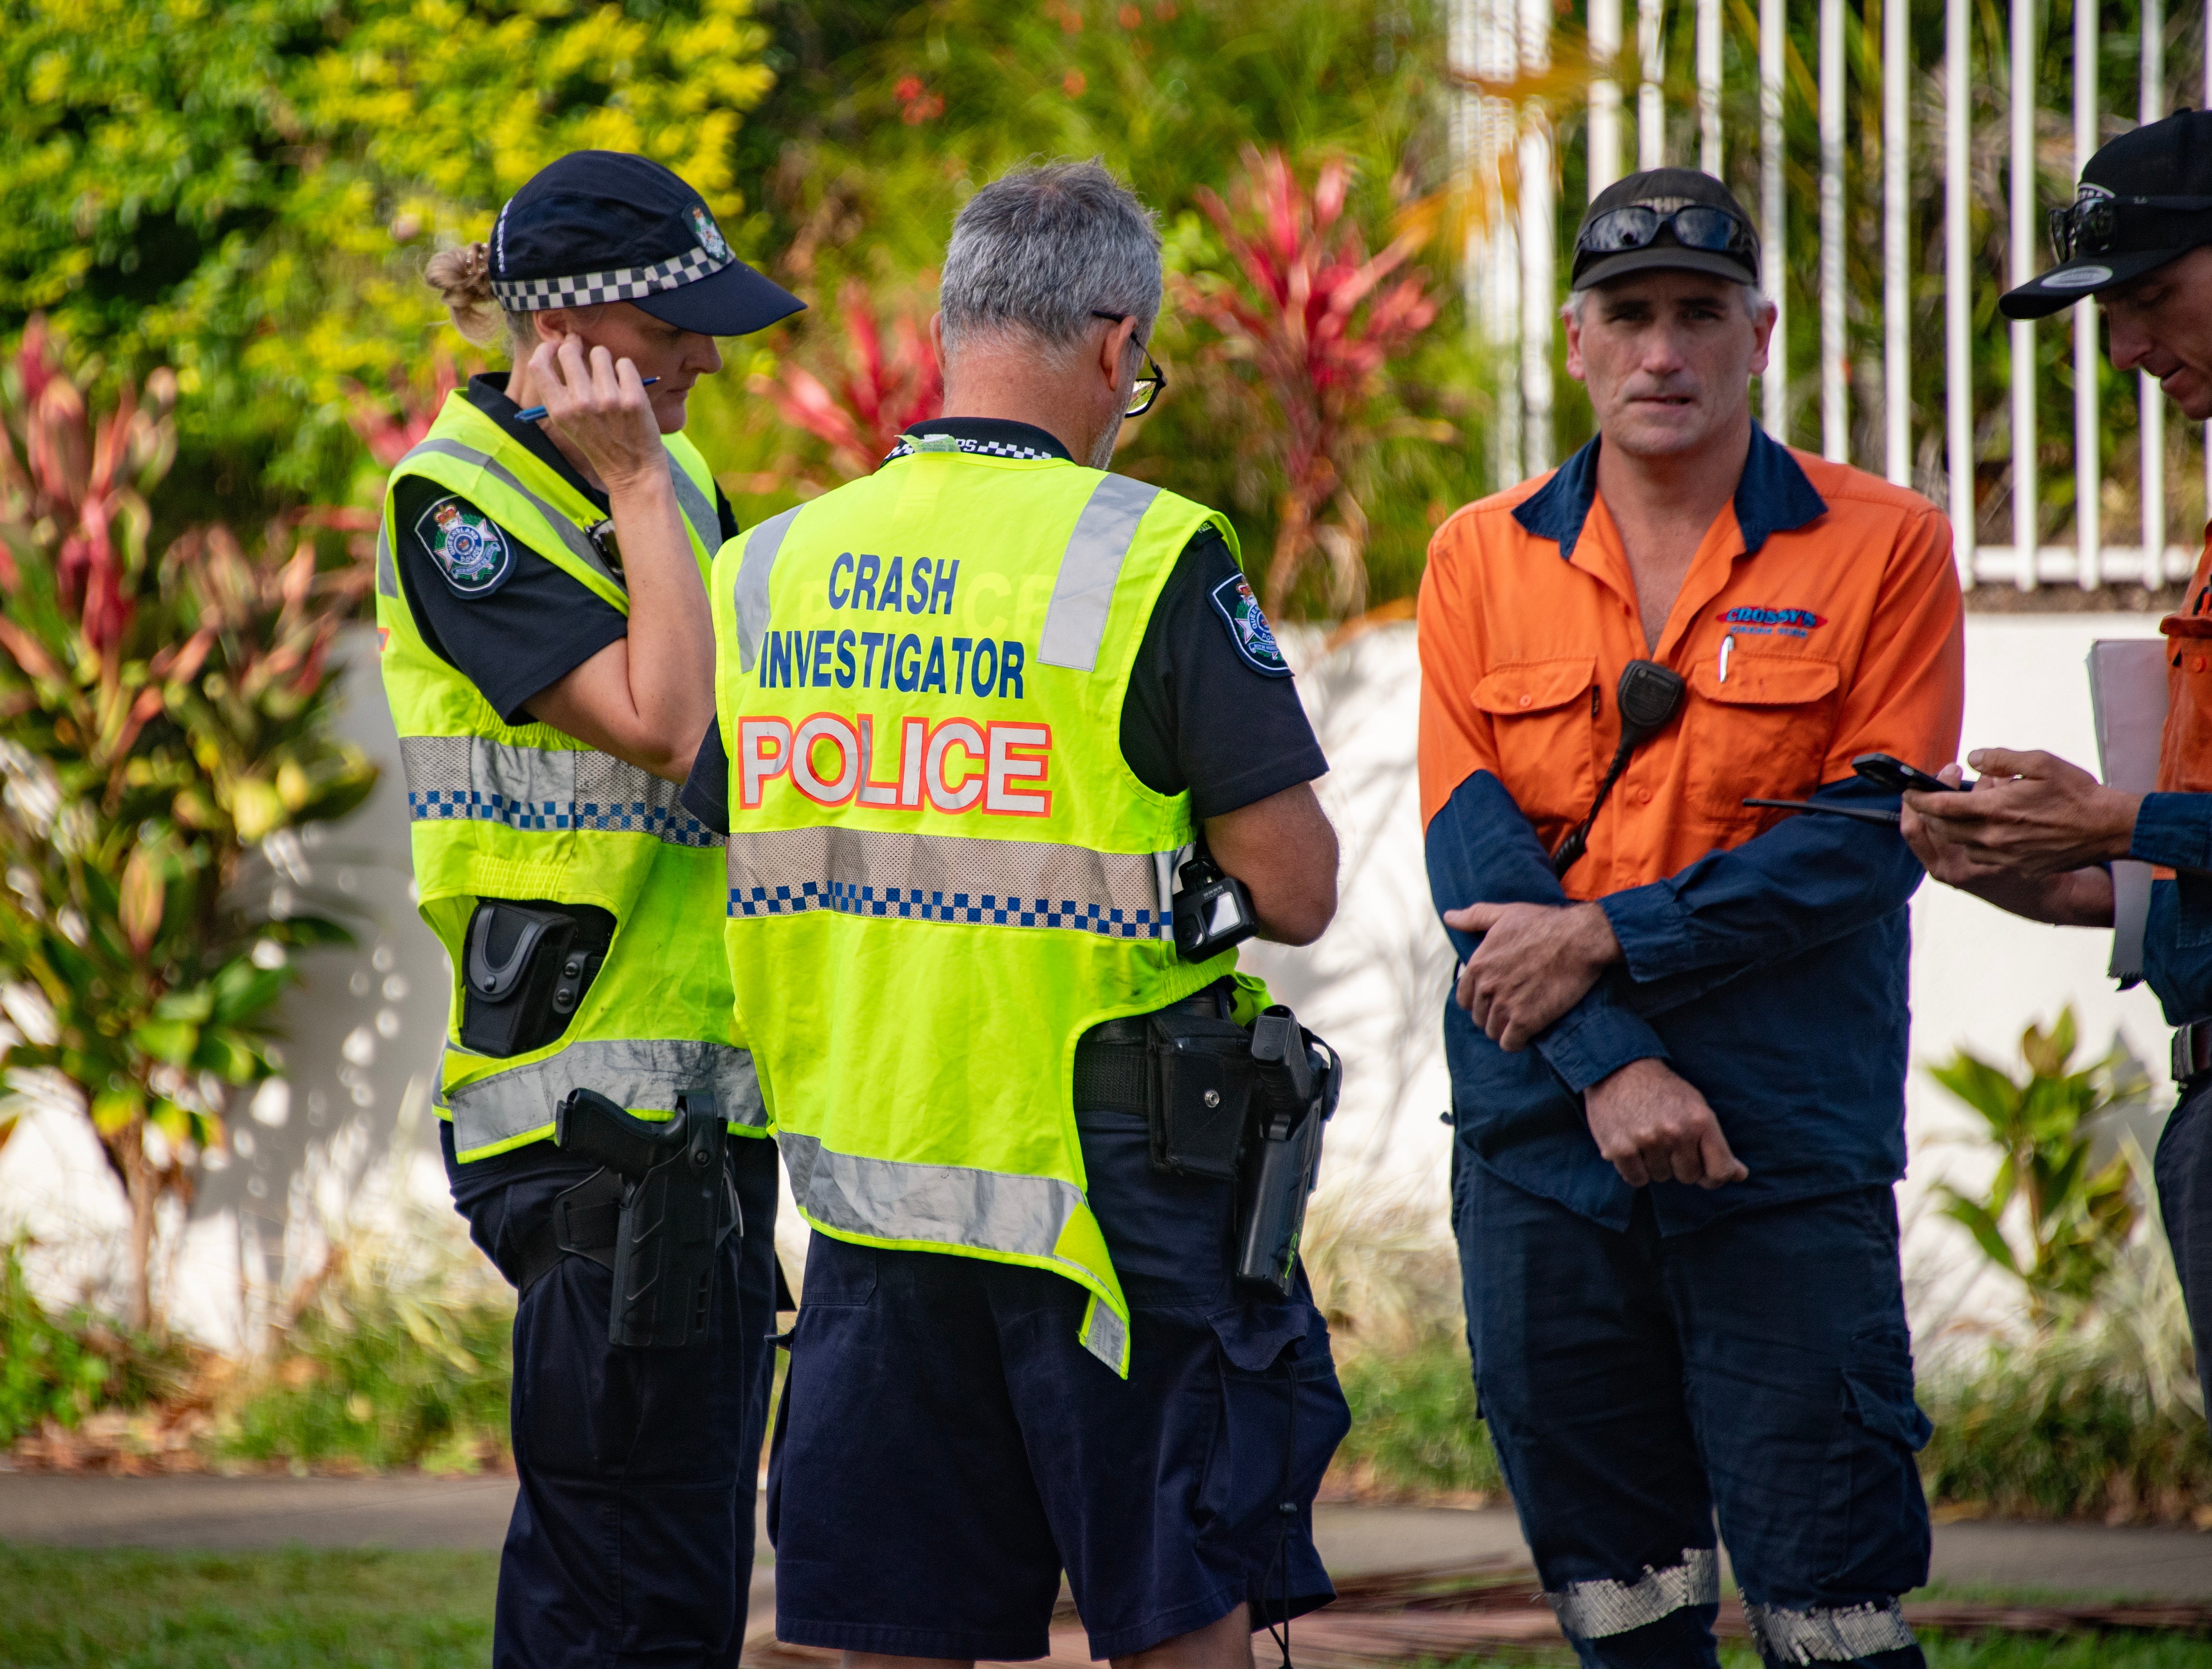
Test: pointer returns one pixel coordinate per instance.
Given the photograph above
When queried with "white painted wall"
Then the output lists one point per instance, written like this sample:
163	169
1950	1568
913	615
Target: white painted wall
352	1125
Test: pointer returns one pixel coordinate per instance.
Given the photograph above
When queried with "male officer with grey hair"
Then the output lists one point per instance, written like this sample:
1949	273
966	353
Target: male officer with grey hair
1028	686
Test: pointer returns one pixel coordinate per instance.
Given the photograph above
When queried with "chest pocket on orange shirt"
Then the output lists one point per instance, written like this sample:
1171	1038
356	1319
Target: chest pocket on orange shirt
1764	733
1541	716
2185	757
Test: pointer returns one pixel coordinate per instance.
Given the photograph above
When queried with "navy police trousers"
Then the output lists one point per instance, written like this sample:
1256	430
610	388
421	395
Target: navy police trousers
632	1540
1636	1384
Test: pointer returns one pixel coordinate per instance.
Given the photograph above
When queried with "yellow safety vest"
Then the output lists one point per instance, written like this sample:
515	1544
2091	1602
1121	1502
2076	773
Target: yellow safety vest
526	811
942	871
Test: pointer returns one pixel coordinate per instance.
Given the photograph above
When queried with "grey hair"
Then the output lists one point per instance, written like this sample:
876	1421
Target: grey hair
1037	250
1756	303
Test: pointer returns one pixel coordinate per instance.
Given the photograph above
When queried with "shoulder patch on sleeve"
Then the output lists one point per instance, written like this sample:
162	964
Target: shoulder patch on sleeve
1247	627
467	545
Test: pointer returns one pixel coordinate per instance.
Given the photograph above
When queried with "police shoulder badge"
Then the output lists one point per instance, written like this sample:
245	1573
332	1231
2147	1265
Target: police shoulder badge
710	235
467	546
1248	627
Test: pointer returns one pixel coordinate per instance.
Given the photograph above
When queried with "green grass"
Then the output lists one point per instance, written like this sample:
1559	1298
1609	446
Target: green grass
75	1608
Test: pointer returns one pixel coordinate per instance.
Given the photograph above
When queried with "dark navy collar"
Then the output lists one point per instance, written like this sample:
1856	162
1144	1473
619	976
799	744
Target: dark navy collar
487	392
1772	497
994	437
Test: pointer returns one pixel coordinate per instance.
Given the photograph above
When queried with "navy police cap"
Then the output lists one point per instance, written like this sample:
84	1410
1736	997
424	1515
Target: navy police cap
604	226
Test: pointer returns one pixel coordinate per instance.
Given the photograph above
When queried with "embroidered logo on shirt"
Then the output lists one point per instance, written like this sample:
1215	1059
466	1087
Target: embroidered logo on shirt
467	546
1247	627
1789	623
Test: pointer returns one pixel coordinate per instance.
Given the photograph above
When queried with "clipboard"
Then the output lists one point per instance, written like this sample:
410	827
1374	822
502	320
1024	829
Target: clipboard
2127	694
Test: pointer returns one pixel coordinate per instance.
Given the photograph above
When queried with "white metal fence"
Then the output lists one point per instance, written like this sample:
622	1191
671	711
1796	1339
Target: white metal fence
1504	129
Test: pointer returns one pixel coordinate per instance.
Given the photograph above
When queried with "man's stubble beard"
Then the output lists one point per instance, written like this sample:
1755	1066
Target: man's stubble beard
1102	449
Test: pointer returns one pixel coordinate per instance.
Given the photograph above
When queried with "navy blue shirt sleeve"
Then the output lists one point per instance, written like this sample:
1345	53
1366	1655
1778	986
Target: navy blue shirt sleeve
1479	847
1202	715
1807	880
524	632
706	793
2175	830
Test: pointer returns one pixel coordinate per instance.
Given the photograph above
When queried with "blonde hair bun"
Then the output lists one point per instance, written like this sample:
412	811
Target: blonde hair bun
462	278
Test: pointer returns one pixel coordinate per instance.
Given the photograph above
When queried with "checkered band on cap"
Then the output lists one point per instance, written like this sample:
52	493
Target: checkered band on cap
624	284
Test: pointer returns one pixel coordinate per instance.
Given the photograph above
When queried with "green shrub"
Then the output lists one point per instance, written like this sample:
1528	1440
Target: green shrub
62	1367
386	1368
1414	1425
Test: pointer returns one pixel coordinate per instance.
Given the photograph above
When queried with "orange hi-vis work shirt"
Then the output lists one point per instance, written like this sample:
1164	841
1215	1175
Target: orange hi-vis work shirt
1762	953
1803	646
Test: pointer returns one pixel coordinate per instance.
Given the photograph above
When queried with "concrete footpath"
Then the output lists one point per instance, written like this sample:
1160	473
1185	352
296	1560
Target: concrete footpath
223	1514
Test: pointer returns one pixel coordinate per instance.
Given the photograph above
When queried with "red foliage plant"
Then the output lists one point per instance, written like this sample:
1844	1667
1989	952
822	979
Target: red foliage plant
879	394
1317	321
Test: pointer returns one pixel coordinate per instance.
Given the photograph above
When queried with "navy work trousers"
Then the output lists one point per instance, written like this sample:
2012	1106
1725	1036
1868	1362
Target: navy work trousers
1636	1384
632	1540
2184	1168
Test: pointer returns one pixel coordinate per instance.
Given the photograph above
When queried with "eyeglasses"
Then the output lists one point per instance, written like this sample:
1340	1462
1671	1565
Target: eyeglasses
1146	388
1695	226
2090	224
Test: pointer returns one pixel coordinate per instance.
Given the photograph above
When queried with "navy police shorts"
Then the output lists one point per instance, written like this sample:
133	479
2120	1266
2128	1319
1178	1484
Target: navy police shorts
632	1538
946	1446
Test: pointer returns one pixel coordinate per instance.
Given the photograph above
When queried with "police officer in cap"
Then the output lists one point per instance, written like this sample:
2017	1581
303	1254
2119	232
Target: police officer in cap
547	656
2037	834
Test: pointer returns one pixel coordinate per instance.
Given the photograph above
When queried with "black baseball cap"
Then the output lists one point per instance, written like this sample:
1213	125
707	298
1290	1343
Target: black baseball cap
1636	225
2145	199
604	226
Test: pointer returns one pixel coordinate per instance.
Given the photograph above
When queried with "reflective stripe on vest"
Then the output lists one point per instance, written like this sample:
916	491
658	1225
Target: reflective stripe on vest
514	1106
476	780
925	742
924	877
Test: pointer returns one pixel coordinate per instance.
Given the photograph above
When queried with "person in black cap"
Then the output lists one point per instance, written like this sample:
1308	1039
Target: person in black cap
1677	1041
2035	836
549	657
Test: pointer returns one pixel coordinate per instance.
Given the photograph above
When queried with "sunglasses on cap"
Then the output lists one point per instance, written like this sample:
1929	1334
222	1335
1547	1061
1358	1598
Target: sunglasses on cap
2091	222
1695	226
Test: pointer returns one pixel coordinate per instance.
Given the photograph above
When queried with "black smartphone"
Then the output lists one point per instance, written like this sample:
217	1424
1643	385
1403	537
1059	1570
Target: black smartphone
1898	777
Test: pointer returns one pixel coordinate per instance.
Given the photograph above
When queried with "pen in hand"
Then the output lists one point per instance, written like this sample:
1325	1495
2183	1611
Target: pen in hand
532	414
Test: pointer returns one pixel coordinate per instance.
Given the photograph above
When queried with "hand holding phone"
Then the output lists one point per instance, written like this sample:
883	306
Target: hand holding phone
1897	777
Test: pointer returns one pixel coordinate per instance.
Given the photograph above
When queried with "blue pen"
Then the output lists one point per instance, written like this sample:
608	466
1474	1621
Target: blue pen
532	414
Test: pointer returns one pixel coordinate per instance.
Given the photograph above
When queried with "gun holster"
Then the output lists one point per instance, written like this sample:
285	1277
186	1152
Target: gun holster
1294	1095
676	1206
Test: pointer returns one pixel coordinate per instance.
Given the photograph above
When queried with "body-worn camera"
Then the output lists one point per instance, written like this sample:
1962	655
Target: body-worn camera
525	967
1212	910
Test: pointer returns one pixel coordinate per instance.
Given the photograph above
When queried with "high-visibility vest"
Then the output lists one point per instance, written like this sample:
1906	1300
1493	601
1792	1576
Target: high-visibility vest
527	812
941	870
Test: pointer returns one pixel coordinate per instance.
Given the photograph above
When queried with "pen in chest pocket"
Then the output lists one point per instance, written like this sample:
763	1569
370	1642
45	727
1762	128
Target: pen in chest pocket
1728	644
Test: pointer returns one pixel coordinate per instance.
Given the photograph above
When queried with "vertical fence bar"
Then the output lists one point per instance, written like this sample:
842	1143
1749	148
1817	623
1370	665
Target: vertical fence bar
1538	283
2088	477
1896	274
1959	284
1497	61
1773	222
1835	413
2150	401
1708	87
2020	90
1604	94
1650	99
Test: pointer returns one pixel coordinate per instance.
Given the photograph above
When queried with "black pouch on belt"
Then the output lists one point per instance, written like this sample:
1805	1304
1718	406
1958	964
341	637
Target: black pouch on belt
1202	1077
525	967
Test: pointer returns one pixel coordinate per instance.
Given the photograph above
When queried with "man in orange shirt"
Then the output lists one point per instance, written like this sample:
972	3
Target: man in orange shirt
1678	1058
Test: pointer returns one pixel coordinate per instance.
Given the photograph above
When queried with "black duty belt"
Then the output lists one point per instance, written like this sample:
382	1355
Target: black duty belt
1113	1060
2192	1052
